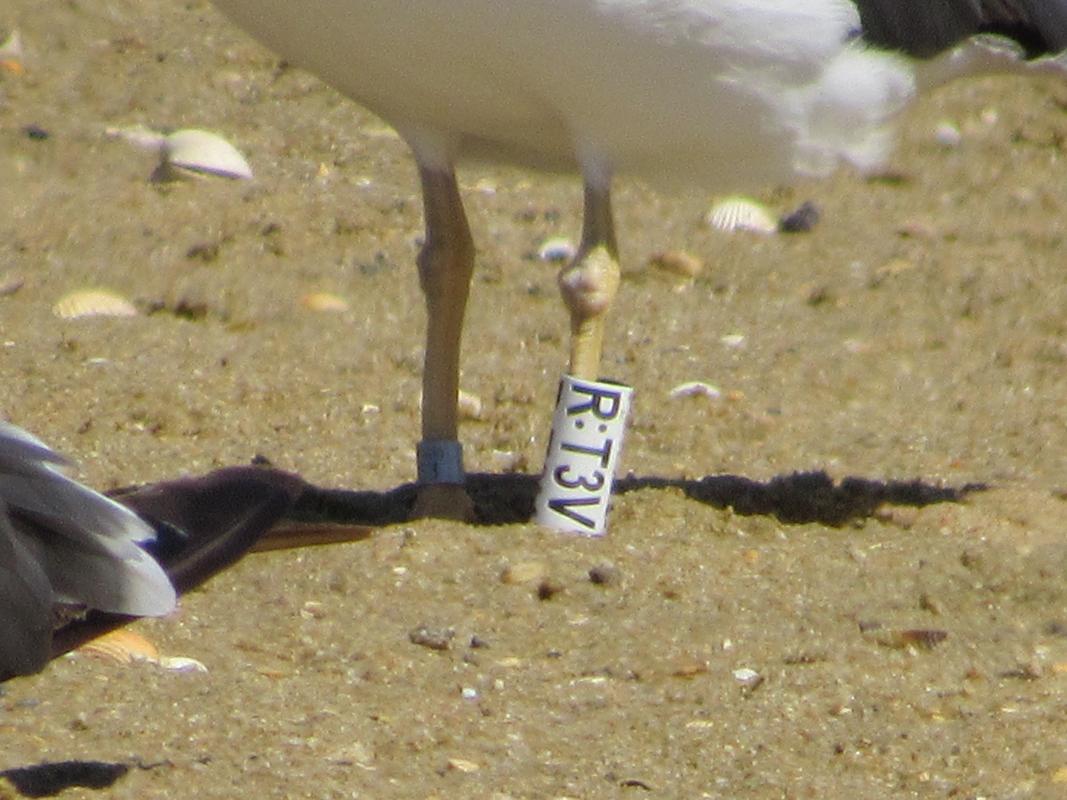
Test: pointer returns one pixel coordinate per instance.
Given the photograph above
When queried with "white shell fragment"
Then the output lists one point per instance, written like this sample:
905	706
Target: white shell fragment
748	678
733	339
205	152
695	389
469	405
556	249
83	303
188	152
182	664
741	214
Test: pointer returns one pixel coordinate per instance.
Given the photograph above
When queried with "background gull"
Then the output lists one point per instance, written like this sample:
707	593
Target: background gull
726	93
730	94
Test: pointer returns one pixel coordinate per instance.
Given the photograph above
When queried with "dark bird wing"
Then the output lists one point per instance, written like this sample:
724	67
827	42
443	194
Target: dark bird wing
924	28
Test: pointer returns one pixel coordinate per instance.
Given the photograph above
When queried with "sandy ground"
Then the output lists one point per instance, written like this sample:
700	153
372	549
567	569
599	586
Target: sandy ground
904	643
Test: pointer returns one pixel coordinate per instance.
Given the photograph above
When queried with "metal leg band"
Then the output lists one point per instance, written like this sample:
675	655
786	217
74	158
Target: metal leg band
440	461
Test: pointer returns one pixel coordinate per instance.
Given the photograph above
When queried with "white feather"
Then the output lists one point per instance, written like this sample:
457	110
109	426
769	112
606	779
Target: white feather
727	93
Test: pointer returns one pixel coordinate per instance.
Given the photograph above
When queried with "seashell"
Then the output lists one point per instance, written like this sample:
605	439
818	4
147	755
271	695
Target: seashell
556	249
121	646
189	152
677	262
138	135
733	339
205	153
695	389
182	664
748	678
469	405
462	765
324	301
741	214
93	303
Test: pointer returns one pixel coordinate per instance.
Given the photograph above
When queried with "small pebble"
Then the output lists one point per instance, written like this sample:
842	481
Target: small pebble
801	220
604	574
548	588
433	638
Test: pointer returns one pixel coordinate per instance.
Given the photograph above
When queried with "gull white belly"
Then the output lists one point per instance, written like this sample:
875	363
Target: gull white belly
725	93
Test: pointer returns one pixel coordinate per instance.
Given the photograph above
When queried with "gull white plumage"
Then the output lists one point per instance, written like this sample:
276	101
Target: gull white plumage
64	549
724	93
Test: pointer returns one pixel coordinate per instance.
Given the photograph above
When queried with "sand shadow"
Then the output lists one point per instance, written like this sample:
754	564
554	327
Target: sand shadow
53	777
800	497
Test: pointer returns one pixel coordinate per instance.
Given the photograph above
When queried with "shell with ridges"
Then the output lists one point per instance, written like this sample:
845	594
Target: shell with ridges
83	303
741	214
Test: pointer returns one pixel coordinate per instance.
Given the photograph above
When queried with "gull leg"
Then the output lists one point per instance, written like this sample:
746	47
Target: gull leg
445	263
590	282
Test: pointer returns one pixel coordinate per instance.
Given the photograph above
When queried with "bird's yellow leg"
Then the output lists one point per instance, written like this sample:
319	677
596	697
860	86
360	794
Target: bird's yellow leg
590	282
446	262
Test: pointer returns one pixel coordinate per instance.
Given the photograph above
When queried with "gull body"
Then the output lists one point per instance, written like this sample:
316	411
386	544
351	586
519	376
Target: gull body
64	549
726	94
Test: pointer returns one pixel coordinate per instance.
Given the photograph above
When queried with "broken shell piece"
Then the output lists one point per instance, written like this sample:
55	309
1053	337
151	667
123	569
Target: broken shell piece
324	301
93	303
189	152
733	339
182	664
556	249
469	405
741	214
695	389
677	262
462	765
748	678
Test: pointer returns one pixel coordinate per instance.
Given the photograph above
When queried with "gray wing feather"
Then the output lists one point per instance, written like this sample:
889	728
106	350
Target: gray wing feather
61	542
